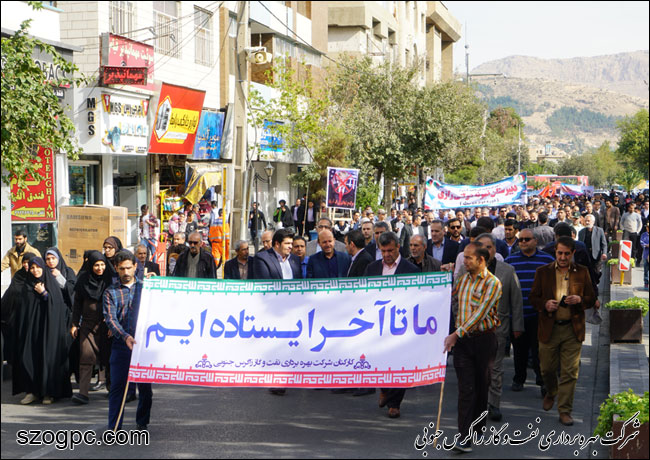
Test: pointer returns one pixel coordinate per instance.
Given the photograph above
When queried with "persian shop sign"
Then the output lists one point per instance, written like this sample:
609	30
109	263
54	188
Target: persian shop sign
124	75
177	120
36	202
120	51
124	124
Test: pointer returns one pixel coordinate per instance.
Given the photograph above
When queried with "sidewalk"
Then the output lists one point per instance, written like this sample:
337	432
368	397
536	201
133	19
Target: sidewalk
628	362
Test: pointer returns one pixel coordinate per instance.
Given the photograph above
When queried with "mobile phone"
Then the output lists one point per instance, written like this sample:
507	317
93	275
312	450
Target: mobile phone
563	302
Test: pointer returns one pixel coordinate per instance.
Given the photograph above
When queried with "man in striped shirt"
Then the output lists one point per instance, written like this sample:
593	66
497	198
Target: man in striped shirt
121	306
525	262
478	292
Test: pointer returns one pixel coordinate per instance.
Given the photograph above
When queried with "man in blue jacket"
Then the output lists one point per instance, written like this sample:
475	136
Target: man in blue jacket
328	263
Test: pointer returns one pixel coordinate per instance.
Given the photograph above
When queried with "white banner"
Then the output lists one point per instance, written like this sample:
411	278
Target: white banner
350	332
511	190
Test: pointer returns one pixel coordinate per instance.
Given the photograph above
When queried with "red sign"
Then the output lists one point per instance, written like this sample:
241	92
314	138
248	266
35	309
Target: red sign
124	52
36	202
112	75
177	119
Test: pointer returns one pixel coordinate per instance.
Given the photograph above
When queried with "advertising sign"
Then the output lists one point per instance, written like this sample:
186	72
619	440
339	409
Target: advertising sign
36	202
124	75
329	333
511	190
120	51
124	124
342	187
271	145
208	136
177	120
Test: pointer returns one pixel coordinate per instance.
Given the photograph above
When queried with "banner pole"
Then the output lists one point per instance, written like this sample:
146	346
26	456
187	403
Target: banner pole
119	416
442	391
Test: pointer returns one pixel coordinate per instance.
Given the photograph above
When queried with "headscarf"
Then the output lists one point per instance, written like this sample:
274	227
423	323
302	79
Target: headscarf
89	284
68	274
115	242
61	265
48	280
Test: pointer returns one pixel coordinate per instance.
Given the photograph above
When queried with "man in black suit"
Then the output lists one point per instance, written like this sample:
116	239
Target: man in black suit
392	263
298	214
239	267
145	268
441	248
278	263
372	248
354	244
328	263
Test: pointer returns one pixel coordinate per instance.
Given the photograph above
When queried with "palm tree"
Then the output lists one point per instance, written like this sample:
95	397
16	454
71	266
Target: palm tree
630	179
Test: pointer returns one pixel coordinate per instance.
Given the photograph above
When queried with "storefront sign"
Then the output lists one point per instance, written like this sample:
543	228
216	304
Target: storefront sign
124	124
36	202
336	333
120	51
208	137
271	143
444	196
342	188
124	75
177	120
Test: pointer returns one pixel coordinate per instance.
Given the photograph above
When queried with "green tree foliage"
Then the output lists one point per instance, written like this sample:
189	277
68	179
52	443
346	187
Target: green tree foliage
31	113
571	119
630	179
502	145
633	141
600	165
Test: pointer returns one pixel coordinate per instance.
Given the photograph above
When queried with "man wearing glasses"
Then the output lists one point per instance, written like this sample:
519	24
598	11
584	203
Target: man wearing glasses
196	262
525	262
323	224
455	230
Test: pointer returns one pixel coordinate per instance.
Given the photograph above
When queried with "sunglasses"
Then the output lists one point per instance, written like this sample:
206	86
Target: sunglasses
192	243
455	227
525	240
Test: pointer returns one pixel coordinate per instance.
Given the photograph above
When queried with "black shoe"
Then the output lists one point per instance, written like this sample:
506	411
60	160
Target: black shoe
543	390
78	398
142	428
97	386
130	397
494	413
463	447
364	392
517	386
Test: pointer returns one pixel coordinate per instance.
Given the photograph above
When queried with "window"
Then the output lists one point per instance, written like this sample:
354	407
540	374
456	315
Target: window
203	41
121	17
168	30
284	47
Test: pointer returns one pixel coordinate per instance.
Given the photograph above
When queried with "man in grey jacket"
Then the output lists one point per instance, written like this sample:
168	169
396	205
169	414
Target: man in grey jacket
510	305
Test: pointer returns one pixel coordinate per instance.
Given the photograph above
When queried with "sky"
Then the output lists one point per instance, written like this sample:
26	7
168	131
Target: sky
548	30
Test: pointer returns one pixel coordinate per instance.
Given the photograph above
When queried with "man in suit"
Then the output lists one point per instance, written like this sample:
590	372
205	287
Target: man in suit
372	248
300	249
328	263
298	214
420	258
391	263
405	237
195	262
354	244
145	268
323	224
239	267
594	239
278	263
561	293
441	248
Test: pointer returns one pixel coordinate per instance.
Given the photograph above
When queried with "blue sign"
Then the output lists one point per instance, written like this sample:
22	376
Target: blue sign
208	136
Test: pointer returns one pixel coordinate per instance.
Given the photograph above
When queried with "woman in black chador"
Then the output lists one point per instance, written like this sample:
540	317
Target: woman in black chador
42	338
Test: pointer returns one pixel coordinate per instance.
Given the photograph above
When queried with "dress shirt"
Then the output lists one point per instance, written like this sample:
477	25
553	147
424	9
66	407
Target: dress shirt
303	266
243	270
390	269
561	289
477	302
438	251
287	274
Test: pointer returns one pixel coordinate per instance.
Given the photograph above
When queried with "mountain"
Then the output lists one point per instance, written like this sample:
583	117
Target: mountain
571	102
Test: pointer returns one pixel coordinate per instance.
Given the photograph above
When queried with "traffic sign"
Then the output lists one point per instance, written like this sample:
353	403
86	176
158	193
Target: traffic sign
625	253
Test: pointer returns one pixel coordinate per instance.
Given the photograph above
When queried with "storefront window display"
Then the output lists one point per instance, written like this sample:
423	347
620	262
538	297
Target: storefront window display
39	235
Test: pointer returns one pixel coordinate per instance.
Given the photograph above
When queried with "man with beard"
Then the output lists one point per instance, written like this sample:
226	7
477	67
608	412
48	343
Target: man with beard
14	257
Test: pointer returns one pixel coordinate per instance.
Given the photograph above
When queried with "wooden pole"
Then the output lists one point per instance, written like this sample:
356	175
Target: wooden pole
442	392
119	416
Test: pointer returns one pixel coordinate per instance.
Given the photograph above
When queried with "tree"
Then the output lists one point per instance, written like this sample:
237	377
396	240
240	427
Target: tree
31	113
630	179
600	165
633	142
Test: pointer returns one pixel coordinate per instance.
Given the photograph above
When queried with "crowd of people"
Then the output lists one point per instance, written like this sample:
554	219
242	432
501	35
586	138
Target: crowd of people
523	277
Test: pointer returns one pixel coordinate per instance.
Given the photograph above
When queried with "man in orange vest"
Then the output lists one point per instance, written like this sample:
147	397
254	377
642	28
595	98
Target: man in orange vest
219	237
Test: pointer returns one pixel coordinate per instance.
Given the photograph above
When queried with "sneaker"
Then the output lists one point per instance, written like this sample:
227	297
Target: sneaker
517	386
48	400
30	398
464	447
78	398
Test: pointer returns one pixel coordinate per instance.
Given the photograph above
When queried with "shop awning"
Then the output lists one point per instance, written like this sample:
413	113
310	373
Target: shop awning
199	178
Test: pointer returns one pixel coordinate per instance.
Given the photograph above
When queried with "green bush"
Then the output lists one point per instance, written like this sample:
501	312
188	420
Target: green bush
631	303
615	262
625	404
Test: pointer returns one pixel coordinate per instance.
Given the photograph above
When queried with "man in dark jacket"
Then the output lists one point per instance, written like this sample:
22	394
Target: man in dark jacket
441	248
195	262
278	263
298	216
328	263
354	244
392	263
239	267
420	258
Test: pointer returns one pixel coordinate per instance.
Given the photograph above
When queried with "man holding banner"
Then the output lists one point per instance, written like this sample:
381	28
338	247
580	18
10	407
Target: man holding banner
121	305
479	293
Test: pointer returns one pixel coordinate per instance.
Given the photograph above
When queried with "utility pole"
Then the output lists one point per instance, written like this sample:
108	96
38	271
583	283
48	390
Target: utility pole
242	186
519	150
